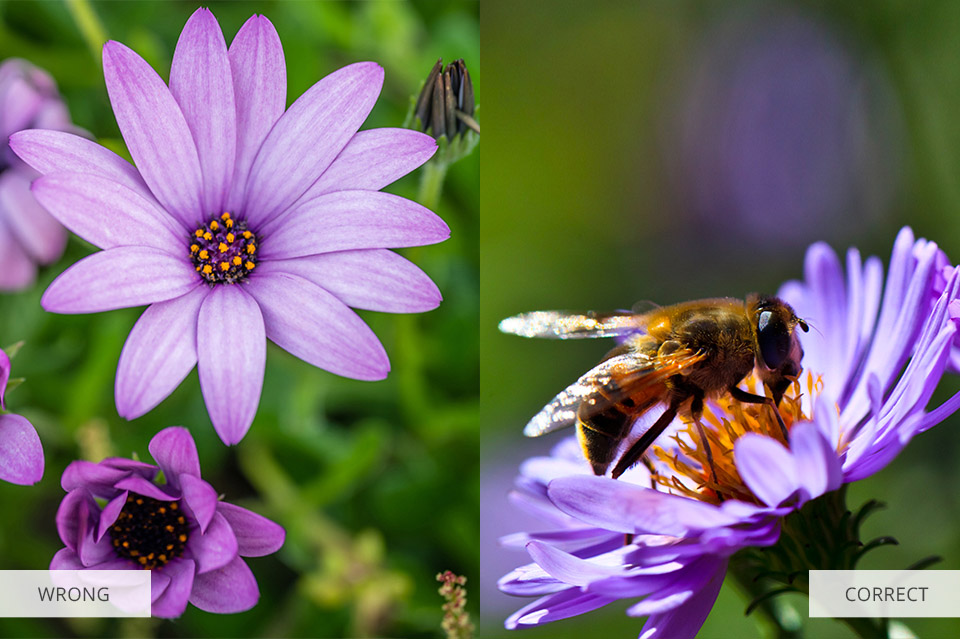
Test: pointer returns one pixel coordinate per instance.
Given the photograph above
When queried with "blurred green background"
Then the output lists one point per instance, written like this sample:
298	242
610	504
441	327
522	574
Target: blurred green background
375	483
669	151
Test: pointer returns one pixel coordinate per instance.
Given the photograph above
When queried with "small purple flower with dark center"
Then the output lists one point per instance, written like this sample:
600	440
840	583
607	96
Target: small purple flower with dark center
242	221
28	234
116	517
665	533
21	455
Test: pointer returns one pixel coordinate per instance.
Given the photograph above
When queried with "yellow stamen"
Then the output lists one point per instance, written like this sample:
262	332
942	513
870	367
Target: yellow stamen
251	248
229	224
207	269
223	247
249	265
247	235
204	254
208	236
225	216
198	232
237	261
214	225
224	266
194	248
230	238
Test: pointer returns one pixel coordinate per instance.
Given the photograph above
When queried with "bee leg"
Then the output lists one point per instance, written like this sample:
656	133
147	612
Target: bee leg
749	398
641	445
696	410
628	539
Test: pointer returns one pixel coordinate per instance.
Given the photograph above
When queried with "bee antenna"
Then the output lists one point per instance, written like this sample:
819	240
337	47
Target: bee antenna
805	325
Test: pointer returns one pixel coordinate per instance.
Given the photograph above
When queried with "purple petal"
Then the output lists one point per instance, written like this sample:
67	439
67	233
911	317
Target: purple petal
818	463
109	514
56	151
108	214
4	377
201	83
315	326
256	535
73	517
373	159
92	551
120	278
621	507
139	485
155	131
232	588
159	353
147	471
232	350
176	453
767	468
686	620
21	455
307	138
569	603
568	568
174	599
65	559
347	220
216	547
529	581
17	270
201	498
260	85
373	279
36	230
96	478
159	582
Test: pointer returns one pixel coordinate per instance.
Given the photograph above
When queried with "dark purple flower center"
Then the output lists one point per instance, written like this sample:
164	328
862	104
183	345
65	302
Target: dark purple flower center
224	250
149	531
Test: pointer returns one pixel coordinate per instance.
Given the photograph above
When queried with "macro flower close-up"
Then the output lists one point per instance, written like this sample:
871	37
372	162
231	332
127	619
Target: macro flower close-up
28	234
21	454
242	221
116	516
666	530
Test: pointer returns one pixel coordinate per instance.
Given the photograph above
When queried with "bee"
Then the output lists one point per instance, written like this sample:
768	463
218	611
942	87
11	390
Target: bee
676	356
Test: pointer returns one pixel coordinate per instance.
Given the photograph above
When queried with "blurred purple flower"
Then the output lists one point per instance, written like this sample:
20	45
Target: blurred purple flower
115	517
21	455
28	234
868	378
241	222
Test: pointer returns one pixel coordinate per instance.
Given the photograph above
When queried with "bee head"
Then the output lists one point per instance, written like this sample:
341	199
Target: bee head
778	350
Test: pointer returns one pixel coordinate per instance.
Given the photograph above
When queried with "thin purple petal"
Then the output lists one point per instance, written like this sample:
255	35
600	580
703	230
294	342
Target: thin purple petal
202	85
120	278
373	159
109	514
201	498
174	599
216	547
17	270
260	83
307	138
108	214
346	220
176	453
155	131
159	353
767	468
373	279
21	455
686	621
256	535
232	352
37	231
315	326
232	588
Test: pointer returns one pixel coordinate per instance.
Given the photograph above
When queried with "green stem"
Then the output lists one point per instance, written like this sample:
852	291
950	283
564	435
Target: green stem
431	183
89	25
781	619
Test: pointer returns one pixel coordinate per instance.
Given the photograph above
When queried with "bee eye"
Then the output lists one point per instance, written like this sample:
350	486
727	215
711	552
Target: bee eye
773	338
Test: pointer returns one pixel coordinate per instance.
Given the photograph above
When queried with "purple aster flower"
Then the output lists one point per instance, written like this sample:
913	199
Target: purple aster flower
21	455
665	531
28	234
116	517
241	221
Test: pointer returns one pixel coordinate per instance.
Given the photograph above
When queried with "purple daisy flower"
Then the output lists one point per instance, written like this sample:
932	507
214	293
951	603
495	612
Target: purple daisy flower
28	234
21	455
666	533
241	222
116	517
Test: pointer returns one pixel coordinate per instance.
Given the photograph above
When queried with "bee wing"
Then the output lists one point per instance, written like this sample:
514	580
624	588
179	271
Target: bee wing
632	375
570	325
